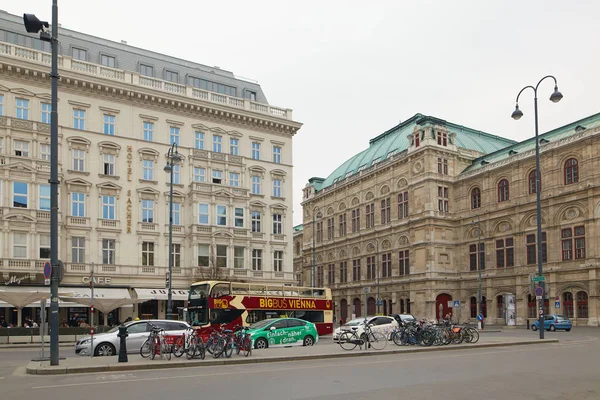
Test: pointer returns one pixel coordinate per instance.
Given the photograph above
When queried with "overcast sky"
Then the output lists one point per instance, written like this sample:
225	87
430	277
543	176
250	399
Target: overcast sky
351	70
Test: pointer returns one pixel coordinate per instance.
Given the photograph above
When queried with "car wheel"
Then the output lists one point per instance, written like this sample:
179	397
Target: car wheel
261	343
308	341
552	328
533	328
105	349
568	330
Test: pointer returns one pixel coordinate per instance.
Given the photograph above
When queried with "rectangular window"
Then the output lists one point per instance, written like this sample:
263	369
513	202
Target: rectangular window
250	95
78	250
276	187
22	109
108	251
199	174
255	151
109	124
278	261
443	166
78	204
256	216
46	112
319	275
277	154
171	76
217	176
532	248
108	207
319	231
385	211
45	246
255	184
570	236
176	216
213	86
403	262
344	272
330	224
342	230
147	253
20	194
203	255
79	160
148	211
176	174
234	179
356	220
371	274
442	199
277	224
45	151
256	260
356	270
1	105
221	256
221	215
20	245
108	61
234	146
109	164
403	205
146	70
148	131
21	148
442	138
176	255
79	54
203	214
473	256
217	143
238	257
370	214
331	274
239	217
505	256
44	197
199	140
174	135
386	265
148	170
79	119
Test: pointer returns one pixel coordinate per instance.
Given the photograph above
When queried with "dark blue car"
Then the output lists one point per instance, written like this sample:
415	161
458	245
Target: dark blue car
553	322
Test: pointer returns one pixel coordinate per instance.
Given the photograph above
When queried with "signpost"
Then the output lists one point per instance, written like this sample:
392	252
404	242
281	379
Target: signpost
539	291
47	273
539	279
456	304
557	304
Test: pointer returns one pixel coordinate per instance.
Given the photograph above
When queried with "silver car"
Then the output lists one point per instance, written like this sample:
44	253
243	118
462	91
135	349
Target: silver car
107	344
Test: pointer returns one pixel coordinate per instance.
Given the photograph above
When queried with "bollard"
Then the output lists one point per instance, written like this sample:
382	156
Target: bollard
123	344
527	323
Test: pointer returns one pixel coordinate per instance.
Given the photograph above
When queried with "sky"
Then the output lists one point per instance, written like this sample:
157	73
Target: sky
350	71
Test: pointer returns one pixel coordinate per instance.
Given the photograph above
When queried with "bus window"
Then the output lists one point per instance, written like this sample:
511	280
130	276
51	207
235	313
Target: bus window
274	291
306	293
198	316
198	292
240	289
218	317
319	293
219	290
310	316
257	289
259	315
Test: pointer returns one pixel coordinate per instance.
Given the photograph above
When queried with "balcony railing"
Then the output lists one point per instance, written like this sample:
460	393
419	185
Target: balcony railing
78	221
133	78
109	223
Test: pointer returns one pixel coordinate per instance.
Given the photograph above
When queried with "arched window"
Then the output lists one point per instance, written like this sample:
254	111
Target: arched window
297	248
371	306
473	307
475	198
531	307
401	306
568	304
571	171
484	306
500	301
503	194
408	306
356	308
582	305
344	310
532	185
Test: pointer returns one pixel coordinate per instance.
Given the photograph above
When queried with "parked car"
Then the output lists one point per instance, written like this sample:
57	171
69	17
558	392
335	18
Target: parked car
280	332
108	344
404	318
553	322
382	324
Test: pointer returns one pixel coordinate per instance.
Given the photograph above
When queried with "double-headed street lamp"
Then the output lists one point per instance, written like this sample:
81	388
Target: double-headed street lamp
173	158
517	114
34	25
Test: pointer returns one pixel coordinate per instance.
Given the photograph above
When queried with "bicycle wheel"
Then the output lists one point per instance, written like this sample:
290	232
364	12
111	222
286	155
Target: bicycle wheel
238	343
165	349
210	344
192	348
247	346
179	347
218	347
473	335
146	349
347	340
228	350
201	349
155	348
377	340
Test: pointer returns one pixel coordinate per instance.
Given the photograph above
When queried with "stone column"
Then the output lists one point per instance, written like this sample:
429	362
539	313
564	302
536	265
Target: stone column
593	305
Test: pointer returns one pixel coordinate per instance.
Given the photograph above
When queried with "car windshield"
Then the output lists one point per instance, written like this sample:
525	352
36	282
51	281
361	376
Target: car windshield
355	322
116	328
261	324
560	317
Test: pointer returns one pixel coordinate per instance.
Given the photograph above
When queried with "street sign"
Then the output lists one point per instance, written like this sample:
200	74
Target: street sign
539	297
541	311
456	304
367	289
480	317
46	281
557	304
379	302
539	278
539	291
47	270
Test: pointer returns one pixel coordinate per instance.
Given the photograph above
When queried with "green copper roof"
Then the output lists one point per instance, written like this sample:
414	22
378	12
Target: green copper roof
299	228
554	135
395	141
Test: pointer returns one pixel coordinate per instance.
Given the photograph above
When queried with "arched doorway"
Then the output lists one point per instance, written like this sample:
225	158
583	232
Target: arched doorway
568	304
401	306
441	306
344	310
385	312
356	309
371	306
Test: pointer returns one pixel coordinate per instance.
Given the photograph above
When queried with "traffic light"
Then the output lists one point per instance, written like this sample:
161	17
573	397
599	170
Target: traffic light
167	280
59	271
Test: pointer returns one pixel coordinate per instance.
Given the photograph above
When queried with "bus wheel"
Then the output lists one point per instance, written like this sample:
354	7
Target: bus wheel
261	343
309	341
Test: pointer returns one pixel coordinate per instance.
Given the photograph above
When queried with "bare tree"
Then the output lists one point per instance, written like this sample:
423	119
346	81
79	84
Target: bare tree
212	272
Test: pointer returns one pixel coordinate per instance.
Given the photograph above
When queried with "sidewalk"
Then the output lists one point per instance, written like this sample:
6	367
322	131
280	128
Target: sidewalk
325	349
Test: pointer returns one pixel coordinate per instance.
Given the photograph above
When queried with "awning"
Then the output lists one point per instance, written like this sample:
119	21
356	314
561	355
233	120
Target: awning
161	294
23	296
105	299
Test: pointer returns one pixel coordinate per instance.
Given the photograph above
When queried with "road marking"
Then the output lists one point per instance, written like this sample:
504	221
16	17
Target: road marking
260	371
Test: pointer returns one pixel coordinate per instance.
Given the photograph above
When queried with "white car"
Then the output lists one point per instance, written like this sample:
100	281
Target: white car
385	325
107	344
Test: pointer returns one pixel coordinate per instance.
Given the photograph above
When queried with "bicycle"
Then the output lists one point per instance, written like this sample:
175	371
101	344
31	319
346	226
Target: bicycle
348	340
243	341
156	344
190	344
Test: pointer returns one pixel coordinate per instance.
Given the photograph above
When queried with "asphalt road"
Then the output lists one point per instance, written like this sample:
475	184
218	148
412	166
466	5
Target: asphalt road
555	371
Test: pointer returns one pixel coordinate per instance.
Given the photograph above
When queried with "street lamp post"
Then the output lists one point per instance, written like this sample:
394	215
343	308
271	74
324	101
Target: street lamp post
172	158
479	292
517	114
34	25
378	268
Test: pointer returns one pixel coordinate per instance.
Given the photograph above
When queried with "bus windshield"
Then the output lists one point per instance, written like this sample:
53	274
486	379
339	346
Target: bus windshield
198	305
198	292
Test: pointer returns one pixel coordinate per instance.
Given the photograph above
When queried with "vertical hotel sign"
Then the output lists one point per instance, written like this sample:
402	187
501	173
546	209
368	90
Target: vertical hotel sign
129	174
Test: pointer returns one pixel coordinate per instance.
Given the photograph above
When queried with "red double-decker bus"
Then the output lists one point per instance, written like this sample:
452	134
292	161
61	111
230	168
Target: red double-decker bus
214	303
